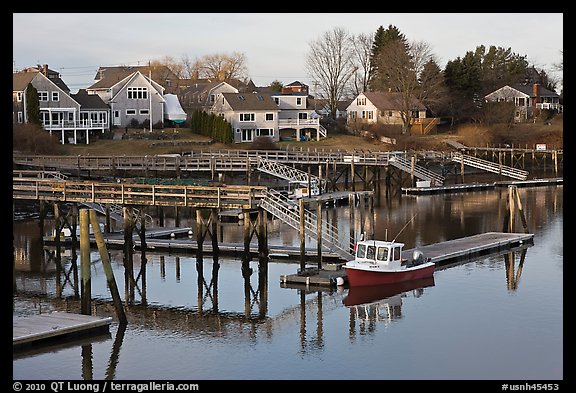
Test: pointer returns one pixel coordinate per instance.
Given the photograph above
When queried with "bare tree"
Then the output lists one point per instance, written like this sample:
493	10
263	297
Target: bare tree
330	60
362	47
224	67
400	70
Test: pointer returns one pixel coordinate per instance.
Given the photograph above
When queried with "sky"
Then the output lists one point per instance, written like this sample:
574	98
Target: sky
275	44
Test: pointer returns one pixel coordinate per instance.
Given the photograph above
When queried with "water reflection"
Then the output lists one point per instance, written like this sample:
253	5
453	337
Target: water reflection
381	303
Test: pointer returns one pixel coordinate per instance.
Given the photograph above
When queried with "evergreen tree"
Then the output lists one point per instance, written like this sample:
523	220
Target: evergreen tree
383	37
32	105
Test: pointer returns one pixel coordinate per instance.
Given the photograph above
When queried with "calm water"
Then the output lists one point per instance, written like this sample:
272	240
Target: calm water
498	317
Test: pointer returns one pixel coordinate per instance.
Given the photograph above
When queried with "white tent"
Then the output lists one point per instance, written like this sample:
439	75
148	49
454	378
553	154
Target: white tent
173	110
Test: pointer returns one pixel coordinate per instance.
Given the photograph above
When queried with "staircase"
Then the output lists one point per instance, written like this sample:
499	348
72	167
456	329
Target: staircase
419	171
286	172
289	212
490	166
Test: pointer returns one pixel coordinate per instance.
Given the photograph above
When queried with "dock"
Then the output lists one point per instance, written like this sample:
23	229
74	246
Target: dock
441	253
482	186
31	331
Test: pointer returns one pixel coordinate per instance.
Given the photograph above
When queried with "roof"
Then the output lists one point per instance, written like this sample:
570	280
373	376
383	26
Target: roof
89	101
529	90
20	80
250	101
391	100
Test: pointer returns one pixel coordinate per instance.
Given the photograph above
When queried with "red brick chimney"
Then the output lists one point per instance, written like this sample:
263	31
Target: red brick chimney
536	98
45	70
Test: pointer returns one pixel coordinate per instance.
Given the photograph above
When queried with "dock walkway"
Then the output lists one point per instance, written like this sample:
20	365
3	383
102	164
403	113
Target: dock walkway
31	330
439	253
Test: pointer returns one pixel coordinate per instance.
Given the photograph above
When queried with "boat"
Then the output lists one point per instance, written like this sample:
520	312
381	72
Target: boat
378	262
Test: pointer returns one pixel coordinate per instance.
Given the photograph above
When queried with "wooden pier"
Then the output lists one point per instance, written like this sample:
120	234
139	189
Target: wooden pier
440	253
481	186
31	331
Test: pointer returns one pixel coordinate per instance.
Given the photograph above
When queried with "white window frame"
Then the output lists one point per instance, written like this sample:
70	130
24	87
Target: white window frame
130	112
55	96
43	96
137	93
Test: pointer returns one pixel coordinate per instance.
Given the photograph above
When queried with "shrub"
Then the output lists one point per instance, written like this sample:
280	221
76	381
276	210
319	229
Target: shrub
32	138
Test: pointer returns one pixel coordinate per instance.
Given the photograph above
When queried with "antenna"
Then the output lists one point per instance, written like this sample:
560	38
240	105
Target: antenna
404	227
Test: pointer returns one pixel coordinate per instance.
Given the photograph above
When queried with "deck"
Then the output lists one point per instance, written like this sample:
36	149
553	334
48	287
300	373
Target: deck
29	331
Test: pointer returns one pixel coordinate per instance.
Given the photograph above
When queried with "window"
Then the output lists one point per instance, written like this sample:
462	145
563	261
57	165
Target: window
55	96
19	96
396	254
144	112
299	101
137	93
389	113
42	96
382	254
370	114
370	252
247	116
269	116
361	101
277	101
361	251
353	115
302	115
20	117
130	112
265	132
212	97
363	114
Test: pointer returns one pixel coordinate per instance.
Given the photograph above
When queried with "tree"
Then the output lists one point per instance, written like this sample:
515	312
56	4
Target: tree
276	86
434	92
400	66
32	105
330	61
362	47
381	38
222	67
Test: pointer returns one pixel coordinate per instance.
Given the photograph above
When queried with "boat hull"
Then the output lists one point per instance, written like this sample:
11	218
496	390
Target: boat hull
358	276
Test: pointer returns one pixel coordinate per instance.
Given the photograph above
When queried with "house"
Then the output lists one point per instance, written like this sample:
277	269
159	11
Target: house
135	100
528	99
297	118
322	107
370	108
60	113
160	73
250	114
202	94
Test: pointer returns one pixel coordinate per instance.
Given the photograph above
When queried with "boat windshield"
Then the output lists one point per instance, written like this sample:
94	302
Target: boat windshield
361	251
382	254
371	252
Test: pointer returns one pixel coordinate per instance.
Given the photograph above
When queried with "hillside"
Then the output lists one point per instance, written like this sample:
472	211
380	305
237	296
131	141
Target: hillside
178	141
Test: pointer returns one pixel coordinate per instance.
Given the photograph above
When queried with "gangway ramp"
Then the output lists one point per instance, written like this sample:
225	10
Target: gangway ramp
419	171
289	173
289	212
490	166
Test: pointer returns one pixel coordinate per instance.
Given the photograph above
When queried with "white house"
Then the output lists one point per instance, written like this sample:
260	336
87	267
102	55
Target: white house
250	114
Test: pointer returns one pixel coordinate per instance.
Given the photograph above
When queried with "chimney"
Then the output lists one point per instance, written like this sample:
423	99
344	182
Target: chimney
536	98
45	70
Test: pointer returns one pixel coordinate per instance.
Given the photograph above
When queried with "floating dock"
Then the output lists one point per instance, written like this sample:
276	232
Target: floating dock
439	253
31	331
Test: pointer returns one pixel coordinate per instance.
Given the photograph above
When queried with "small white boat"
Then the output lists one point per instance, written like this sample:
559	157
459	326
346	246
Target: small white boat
380	262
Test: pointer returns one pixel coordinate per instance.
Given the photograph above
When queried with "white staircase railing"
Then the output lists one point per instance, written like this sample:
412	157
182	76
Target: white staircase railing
419	171
490	166
289	212
289	173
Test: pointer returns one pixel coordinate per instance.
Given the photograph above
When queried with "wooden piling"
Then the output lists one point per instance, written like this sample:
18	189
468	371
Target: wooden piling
86	290
107	268
302	236
319	233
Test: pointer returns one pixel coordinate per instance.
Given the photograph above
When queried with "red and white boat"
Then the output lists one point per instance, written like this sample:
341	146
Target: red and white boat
380	262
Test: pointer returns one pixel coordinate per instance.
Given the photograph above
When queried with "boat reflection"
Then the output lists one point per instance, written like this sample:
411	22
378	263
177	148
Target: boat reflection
382	302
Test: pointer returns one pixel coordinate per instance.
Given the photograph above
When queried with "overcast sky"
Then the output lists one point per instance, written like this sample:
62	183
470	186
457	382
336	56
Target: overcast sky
275	45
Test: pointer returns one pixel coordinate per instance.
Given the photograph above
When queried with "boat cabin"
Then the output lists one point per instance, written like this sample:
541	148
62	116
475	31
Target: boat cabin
380	252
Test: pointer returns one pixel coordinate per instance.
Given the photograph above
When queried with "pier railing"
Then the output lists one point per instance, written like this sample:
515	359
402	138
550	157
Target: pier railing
490	166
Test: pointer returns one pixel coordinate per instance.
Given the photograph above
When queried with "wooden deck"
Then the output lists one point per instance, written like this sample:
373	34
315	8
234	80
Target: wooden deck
440	253
29	331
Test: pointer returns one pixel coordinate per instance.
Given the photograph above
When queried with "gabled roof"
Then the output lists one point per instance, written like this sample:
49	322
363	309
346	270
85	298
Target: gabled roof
250	101
89	101
52	75
107	77
391	101
20	80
